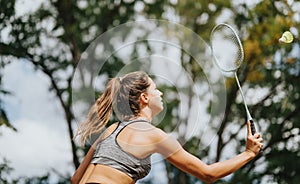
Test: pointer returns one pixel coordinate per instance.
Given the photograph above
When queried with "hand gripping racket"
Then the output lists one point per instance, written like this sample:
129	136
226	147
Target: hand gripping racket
228	54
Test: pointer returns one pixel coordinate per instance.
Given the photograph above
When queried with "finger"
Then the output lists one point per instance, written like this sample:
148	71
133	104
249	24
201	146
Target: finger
261	146
257	135
260	140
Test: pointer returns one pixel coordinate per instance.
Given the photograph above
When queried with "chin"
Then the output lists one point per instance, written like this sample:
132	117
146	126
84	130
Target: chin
158	110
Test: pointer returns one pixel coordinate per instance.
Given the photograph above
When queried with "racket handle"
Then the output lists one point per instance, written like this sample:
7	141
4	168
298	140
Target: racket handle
253	131
252	126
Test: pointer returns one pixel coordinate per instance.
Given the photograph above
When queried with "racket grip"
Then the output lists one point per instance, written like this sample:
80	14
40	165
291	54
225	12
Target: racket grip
252	126
253	131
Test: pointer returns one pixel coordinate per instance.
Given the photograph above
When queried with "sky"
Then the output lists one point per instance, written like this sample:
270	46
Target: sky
41	140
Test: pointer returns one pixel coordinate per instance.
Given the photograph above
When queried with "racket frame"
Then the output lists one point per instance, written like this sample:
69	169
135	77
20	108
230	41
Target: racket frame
249	117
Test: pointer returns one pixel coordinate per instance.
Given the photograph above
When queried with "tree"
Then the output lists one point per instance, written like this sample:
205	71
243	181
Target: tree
270	67
54	37
5	15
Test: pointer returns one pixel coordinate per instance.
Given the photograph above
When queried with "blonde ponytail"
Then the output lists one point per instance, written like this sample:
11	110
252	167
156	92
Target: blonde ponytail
100	113
124	93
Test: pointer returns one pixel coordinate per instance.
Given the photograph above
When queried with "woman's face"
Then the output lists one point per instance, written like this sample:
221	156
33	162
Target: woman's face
155	98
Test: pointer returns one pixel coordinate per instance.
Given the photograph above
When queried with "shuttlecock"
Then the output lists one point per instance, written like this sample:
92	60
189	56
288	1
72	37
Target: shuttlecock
287	37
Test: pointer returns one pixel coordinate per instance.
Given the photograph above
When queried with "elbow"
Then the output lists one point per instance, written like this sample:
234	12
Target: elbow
210	178
205	173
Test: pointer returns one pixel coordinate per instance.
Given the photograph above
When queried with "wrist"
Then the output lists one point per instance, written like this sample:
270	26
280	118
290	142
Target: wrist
250	154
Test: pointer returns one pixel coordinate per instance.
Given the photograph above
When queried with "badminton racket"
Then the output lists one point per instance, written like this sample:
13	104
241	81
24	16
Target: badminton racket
228	54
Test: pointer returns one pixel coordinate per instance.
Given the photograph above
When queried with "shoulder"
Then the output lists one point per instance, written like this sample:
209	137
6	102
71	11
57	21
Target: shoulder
161	139
150	130
156	139
158	134
147	132
109	130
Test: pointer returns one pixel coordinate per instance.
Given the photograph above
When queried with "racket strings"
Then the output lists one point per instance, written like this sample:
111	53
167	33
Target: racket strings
227	48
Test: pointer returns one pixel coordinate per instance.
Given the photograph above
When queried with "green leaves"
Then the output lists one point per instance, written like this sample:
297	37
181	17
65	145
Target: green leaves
54	37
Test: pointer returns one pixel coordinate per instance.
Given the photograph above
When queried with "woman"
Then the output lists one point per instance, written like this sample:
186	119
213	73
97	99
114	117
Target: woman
122	154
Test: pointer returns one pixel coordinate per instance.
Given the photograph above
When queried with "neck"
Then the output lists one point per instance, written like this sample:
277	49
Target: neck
144	115
143	118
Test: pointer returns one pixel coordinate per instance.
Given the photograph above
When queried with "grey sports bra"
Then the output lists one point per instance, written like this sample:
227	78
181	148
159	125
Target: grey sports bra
108	152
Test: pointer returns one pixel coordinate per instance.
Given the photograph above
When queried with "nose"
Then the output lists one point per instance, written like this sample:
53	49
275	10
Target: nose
161	93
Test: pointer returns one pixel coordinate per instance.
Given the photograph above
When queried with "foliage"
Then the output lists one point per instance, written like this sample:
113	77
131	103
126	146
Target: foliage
269	66
54	37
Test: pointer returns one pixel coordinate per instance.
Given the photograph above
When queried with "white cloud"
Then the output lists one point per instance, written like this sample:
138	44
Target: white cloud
31	98
41	142
35	149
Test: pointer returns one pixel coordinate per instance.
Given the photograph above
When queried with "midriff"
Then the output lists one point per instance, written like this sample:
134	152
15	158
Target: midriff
97	173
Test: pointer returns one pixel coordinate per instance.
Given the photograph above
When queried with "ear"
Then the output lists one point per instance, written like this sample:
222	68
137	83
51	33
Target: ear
144	98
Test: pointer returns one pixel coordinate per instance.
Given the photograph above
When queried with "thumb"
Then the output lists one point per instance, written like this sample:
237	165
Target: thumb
248	128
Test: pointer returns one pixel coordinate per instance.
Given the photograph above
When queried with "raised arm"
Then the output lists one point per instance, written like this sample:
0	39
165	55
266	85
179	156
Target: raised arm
175	154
